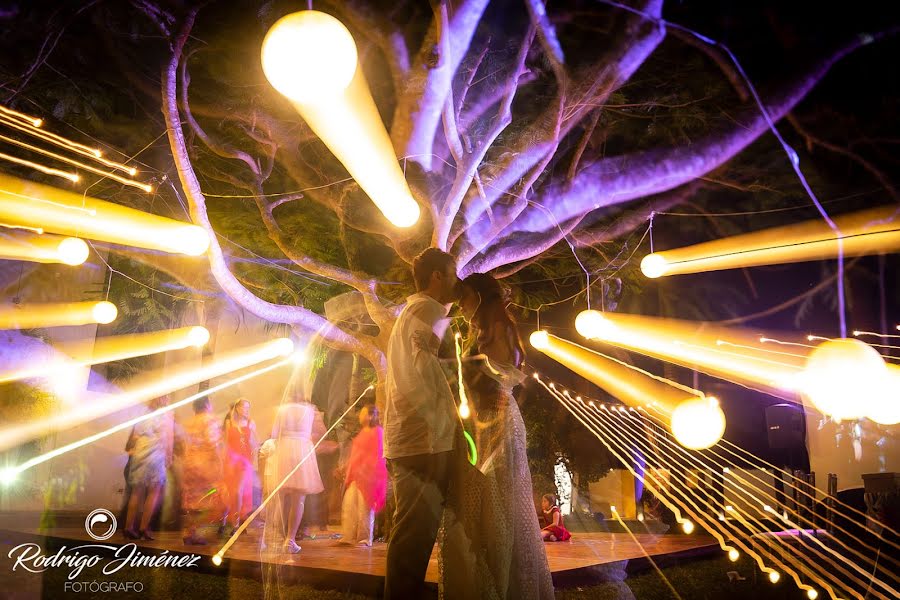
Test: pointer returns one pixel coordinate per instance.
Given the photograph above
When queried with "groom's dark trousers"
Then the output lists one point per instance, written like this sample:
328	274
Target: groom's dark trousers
420	488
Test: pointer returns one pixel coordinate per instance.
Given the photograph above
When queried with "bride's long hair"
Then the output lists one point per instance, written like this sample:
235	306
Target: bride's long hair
492	319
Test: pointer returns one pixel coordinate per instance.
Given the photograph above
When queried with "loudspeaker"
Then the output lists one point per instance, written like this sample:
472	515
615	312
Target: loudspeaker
785	425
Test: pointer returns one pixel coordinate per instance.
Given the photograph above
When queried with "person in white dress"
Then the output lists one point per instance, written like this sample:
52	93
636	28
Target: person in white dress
491	543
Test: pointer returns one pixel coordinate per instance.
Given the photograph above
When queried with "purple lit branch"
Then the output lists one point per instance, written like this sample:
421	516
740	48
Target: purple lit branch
418	110
615	180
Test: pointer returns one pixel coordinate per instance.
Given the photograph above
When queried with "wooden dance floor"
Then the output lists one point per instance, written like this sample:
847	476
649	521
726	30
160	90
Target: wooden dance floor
324	559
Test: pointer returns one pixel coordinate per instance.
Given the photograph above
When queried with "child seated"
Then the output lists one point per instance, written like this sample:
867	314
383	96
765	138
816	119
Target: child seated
554	531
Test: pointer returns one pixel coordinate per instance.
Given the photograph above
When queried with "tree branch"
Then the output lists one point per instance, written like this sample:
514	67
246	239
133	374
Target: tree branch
419	106
276	313
619	179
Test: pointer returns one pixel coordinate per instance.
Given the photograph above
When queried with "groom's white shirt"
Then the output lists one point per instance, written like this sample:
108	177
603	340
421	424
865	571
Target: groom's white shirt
420	412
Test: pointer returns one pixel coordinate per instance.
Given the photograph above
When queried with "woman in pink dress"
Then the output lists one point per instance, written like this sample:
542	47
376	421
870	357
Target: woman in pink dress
202	493
240	442
366	480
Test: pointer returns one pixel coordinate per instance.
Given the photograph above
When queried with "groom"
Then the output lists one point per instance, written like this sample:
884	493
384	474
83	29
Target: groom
421	426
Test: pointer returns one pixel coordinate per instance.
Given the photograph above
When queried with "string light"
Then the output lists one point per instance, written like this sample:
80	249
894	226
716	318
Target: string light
73	177
697	422
311	58
79	164
31	204
44	249
743	488
33	121
56	314
464	410
92	153
626	428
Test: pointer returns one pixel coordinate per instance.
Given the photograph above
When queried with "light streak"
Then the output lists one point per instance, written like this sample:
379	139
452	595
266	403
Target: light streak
59	211
151	385
44	249
108	349
92	153
311	58
73	177
131	422
57	314
867	232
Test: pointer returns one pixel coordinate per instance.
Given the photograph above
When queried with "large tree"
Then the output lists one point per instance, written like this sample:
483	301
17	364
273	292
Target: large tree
538	140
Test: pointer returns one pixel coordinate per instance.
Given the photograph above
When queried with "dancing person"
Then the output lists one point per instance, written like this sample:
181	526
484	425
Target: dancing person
202	490
150	448
496	523
240	442
554	531
421	425
366	480
294	462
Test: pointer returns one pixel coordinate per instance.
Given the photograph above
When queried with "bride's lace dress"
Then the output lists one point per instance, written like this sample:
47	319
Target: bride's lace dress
490	541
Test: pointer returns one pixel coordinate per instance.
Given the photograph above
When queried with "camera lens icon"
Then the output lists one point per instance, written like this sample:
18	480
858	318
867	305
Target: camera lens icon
100	524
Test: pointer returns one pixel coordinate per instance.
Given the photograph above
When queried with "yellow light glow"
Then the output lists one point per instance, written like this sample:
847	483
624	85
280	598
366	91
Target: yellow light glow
31	316
310	57
8	476
842	376
43	248
733	555
774	576
687	526
812	594
25	203
20	116
653	266
638	390
76	163
700	346
59	141
464	411
105	312
540	340
107	349
698	423
867	232
146	387
73	177
217	560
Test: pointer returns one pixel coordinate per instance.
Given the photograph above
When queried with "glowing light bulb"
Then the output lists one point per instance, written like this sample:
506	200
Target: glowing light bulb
309	56
8	475
841	377
105	312
72	251
592	325
653	266
540	340
687	527
698	423
282	346
733	555
774	576
191	240
640	517
217	560
812	594
464	411
198	336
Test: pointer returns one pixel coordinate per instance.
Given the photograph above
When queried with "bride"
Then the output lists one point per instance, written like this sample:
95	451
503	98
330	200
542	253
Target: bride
491	543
